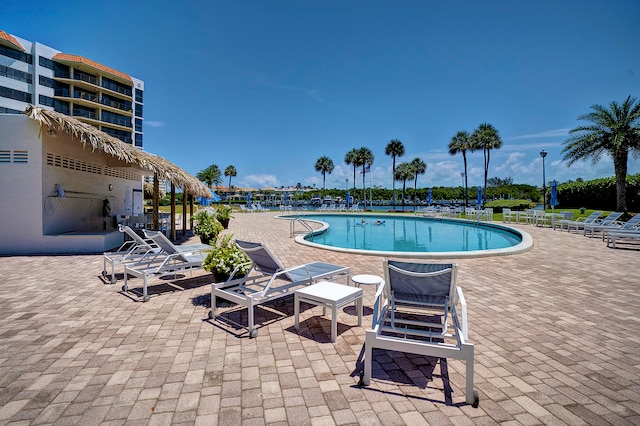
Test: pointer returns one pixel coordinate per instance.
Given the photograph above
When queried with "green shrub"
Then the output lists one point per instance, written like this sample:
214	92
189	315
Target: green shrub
498	205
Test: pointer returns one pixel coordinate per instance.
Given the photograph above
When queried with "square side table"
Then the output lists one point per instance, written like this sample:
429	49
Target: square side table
328	295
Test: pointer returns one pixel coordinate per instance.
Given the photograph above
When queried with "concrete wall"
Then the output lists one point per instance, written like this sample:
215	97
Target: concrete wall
35	217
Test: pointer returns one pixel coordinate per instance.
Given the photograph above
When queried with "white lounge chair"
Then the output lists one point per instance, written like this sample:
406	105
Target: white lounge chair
170	261
620	236
579	223
268	280
599	225
632	225
415	312
135	250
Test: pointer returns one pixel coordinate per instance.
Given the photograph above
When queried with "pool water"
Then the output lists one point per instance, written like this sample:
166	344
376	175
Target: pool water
384	233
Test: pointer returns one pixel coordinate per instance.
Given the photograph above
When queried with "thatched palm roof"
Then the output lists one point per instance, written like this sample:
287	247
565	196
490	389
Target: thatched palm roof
102	142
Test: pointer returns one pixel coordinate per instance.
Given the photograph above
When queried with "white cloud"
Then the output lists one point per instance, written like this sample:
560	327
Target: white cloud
544	134
259	180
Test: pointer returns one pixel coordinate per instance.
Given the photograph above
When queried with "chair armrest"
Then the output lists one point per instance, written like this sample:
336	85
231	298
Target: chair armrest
377	304
463	305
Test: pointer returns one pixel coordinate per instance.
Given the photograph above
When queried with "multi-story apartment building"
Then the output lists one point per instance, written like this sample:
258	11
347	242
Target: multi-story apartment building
34	74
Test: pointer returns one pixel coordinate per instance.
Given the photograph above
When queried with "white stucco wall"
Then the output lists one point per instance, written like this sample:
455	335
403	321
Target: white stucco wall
20	184
35	218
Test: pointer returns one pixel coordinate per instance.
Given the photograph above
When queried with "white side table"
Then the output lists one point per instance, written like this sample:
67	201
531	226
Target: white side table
328	295
366	279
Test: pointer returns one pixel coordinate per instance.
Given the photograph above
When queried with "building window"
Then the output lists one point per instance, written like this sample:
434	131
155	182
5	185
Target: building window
15	74
139	94
61	71
4	110
45	62
62	107
82	111
45	100
17	95
138	125
46	81
123	136
114	118
138	110
15	54
138	139
114	86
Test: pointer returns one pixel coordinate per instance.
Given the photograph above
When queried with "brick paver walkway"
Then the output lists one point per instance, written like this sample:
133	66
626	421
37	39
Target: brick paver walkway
555	329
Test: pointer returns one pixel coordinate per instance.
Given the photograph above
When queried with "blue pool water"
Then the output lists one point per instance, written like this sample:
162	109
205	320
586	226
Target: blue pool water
408	234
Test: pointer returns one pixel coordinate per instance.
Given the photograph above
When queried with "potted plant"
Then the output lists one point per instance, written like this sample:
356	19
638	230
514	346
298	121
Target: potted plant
207	226
225	259
223	214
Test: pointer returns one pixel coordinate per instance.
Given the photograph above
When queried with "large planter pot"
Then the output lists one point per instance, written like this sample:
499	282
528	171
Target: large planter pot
204	240
224	223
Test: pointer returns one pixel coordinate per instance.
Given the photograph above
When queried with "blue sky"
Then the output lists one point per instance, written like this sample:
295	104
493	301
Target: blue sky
271	86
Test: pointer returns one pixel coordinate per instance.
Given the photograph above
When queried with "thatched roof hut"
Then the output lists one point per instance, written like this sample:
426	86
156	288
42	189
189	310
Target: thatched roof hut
100	141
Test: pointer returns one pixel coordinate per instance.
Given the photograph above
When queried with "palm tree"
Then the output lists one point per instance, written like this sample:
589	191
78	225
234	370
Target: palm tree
351	158
403	173
365	159
462	143
395	149
615	131
230	171
324	165
485	138
418	167
210	175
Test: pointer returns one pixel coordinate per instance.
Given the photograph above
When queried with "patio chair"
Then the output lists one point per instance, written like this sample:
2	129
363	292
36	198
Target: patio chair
579	223
268	280
415	312
611	220
632	225
630	236
131	251
508	215
170	261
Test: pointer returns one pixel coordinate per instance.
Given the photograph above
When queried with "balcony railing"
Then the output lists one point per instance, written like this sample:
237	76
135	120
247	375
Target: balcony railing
84	114
85	77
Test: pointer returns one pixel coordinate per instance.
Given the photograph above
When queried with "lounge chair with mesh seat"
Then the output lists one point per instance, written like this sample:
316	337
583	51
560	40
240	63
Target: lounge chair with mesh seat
578	224
599	225
415	311
171	260
268	280
131	251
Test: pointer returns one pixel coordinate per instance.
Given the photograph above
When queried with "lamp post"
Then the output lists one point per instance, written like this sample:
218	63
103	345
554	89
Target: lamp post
543	154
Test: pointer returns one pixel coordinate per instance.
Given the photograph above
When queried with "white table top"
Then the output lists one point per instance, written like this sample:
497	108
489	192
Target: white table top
329	291
366	279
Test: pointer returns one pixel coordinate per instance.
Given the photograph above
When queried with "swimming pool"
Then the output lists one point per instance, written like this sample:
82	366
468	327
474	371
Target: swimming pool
412	236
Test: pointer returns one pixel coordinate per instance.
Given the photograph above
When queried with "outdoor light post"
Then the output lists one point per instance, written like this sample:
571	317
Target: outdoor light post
543	154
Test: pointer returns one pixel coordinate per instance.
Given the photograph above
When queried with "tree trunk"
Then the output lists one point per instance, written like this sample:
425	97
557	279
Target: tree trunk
620	165
466	182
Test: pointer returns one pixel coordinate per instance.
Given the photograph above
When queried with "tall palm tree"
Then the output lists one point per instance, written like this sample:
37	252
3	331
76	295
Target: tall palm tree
418	167
461	143
210	175
403	173
365	159
351	158
615	131
485	138
230	171
395	149
324	165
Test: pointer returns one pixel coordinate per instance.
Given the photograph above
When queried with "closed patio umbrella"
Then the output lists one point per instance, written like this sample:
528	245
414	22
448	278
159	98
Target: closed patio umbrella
553	201
479	200
348	198
429	196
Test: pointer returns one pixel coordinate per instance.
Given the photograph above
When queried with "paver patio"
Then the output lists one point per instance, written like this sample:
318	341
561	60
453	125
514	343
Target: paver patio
555	329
